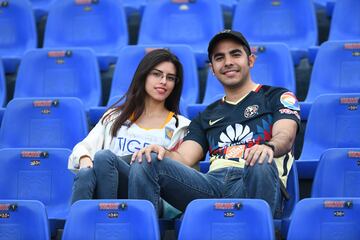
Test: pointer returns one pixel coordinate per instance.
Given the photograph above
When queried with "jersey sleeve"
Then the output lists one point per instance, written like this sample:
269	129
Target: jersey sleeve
197	133
285	105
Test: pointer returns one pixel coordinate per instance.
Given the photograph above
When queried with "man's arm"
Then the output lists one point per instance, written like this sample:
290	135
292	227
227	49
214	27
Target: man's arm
188	153
283	137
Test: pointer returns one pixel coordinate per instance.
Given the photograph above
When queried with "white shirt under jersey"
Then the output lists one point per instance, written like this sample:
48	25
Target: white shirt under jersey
128	139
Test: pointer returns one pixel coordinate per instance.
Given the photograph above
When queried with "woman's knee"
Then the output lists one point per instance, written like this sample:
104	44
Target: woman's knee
104	157
85	176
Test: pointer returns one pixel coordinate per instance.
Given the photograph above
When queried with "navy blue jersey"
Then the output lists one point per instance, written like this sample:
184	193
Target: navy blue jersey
226	130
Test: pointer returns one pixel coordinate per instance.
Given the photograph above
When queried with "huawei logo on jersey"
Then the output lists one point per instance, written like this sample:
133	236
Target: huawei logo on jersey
234	136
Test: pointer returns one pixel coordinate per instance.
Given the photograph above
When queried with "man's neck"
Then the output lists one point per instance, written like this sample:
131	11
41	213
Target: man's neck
235	94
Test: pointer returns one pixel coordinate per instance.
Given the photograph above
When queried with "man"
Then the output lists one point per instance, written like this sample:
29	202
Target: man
249	134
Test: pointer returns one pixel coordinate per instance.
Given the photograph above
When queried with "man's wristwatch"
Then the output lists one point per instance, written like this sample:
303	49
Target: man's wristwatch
270	145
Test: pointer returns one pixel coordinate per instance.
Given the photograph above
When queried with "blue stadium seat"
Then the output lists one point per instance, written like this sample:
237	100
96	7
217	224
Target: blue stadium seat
291	22
273	66
112	219
2	85
338	174
224	219
326	218
37	174
18	32
100	25
336	70
332	123
23	219
43	122
60	73
345	22
292	188
182	22
130	57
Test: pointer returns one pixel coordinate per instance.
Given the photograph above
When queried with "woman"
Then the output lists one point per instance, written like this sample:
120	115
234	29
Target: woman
149	115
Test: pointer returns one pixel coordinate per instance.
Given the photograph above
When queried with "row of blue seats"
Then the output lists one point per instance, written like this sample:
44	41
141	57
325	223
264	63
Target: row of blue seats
74	72
221	219
61	123
41	174
84	23
41	7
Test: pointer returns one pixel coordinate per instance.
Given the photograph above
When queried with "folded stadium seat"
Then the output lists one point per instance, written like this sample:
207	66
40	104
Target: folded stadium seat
23	219
273	66
292	188
128	60
38	174
336	70
325	218
43	122
41	7
182	22
112	219
228	5
338	174
345	22
224	219
332	123
72	72
291	22
100	25
134	6
18	32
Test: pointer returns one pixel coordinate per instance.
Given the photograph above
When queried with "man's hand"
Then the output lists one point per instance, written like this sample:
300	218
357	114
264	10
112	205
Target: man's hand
258	153
85	162
137	156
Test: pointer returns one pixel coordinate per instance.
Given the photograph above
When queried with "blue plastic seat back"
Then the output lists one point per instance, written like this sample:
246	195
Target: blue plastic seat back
338	174
100	25
43	122
112	219
60	73
2	85
291	22
130	57
18	31
336	69
332	123
23	219
345	22
17	24
325	218
37	174
223	219
181	22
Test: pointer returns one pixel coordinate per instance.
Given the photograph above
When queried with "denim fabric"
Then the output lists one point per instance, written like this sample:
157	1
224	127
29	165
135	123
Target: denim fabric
111	175
107	179
84	185
179	184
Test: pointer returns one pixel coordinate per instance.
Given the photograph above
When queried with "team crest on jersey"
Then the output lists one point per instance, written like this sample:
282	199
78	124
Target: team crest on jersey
169	132
289	100
251	111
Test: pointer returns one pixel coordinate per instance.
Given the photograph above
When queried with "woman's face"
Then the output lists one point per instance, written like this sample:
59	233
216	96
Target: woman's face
161	81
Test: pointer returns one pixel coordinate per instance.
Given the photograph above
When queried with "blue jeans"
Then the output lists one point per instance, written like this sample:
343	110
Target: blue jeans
179	184
108	179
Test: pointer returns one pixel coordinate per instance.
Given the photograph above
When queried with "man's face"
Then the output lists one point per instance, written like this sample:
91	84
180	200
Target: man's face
231	64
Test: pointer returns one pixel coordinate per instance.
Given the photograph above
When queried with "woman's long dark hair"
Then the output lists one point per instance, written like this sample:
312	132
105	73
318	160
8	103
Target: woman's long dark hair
134	103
